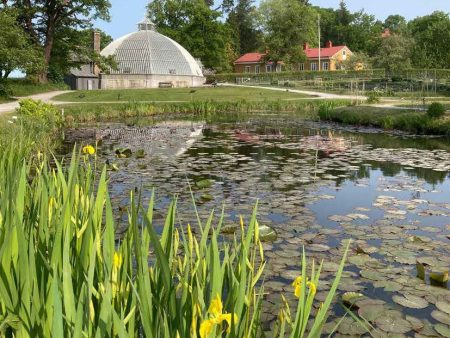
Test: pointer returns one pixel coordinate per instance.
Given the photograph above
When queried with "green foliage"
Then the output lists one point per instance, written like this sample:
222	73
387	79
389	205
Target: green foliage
16	50
54	26
373	96
25	87
197	27
436	110
5	91
386	118
278	17
66	276
44	114
394	53
242	21
73	48
432	38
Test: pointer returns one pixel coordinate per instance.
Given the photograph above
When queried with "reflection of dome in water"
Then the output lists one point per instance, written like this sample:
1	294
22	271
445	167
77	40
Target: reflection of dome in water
149	59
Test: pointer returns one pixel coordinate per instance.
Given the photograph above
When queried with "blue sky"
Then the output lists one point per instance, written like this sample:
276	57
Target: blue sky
125	14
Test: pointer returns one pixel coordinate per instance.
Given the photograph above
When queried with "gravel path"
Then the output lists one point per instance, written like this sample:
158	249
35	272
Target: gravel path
45	97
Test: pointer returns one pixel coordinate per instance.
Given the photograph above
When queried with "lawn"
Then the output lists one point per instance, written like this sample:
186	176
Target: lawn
179	94
24	87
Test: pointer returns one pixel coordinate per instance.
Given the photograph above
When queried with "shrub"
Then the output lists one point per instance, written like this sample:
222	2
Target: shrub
373	96
436	110
5	91
38	112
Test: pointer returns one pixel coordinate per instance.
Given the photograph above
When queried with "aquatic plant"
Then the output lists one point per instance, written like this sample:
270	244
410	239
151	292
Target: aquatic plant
64	274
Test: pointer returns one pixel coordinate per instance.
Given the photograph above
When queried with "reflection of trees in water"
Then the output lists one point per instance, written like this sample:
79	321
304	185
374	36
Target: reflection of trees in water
391	169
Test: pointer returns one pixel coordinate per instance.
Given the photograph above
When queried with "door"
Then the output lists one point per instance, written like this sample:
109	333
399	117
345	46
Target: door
90	85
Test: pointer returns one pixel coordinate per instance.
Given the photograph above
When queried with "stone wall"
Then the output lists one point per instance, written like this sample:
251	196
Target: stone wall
118	81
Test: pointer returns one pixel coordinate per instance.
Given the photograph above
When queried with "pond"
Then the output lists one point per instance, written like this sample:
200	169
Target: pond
317	186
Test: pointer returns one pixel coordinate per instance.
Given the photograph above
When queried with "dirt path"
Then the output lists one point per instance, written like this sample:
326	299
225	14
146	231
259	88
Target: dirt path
45	97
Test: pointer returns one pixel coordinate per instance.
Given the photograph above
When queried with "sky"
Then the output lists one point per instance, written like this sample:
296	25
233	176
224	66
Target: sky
126	14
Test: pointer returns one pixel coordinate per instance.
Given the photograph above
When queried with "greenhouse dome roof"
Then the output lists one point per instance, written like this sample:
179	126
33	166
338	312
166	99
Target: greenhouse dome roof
147	52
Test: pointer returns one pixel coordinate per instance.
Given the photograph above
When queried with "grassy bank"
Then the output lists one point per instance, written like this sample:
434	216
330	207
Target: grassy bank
388	118
179	95
105	112
24	87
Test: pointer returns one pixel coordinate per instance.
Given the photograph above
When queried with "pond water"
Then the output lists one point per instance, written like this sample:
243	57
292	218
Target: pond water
316	186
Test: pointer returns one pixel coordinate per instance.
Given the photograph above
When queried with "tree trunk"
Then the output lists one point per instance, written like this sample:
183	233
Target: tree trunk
48	47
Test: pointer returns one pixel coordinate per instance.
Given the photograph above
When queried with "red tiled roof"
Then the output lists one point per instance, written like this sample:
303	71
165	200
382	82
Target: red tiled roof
324	52
251	57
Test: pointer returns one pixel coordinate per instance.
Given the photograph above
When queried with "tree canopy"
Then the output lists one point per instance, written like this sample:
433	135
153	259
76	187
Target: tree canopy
287	25
17	52
49	22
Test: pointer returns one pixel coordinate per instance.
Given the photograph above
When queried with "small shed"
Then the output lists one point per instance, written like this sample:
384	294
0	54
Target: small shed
83	78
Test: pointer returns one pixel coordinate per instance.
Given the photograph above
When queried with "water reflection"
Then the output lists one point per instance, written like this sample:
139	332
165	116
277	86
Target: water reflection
317	186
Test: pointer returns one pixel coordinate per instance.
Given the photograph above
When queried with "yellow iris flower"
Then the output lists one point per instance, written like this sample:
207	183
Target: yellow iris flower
216	318
89	150
297	284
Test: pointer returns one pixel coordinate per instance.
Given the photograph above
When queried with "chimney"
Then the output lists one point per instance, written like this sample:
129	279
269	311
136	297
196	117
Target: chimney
305	46
329	44
96	38
96	41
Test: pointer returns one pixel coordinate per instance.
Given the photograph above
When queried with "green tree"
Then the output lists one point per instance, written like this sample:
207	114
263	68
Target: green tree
47	21
394	53
432	40
242	22
73	49
17	52
287	25
396	23
197	27
363	34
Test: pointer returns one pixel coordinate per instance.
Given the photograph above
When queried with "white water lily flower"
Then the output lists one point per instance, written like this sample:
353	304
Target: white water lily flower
9	121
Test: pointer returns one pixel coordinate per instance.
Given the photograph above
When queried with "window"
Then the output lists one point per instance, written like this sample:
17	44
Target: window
268	68
344	55
257	69
247	69
127	70
325	66
172	71
302	67
313	66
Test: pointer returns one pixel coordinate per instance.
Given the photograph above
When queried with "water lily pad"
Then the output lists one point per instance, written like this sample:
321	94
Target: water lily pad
140	153
371	312
443	306
267	234
351	297
416	323
371	274
389	286
411	301
443	330
318	247
349	326
123	152
204	184
392	322
441	317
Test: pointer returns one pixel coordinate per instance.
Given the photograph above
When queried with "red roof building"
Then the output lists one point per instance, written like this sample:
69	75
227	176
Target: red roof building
331	57
255	63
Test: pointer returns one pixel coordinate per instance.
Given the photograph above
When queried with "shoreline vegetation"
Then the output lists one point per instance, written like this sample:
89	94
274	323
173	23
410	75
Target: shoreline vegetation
407	120
66	274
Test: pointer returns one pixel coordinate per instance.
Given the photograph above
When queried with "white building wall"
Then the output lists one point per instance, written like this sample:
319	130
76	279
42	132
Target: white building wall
128	81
